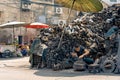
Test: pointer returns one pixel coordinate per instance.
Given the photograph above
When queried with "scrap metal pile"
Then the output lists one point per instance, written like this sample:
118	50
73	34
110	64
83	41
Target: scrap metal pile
7	54
89	30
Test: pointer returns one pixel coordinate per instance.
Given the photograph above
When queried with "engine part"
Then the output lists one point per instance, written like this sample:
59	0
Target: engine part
94	68
79	65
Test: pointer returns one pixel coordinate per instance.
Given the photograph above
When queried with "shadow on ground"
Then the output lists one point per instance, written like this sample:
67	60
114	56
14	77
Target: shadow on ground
68	73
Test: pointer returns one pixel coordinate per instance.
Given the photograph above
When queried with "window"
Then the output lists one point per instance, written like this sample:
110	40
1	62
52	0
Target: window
0	14
113	0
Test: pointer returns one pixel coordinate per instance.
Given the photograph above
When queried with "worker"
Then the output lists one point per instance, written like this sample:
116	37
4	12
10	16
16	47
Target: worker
79	52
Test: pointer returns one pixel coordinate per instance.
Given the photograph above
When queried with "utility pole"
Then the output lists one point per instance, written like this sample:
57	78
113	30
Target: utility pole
20	13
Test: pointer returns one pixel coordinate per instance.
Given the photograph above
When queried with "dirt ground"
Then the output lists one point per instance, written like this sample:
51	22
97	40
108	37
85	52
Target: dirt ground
19	69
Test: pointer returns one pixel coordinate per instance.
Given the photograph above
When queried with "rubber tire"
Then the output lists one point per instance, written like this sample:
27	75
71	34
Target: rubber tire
111	70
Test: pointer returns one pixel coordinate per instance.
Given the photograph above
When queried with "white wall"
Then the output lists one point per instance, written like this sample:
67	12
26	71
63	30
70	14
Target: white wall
111	3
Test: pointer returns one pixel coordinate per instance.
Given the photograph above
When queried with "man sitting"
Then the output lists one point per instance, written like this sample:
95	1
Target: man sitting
79	52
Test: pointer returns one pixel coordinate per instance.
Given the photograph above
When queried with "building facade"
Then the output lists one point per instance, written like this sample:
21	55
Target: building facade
22	10
30	11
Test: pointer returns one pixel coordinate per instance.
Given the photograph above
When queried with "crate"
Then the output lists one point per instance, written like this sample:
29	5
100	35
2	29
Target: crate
36	60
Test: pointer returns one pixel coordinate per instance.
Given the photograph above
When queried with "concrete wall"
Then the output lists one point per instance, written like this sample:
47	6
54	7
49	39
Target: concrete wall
10	10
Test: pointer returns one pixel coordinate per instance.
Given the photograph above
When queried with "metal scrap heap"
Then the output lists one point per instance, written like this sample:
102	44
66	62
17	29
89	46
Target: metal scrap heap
98	32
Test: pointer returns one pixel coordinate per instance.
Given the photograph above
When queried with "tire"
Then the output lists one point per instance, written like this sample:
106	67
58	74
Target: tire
108	66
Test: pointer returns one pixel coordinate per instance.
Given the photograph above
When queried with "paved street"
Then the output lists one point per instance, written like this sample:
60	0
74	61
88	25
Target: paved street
18	69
